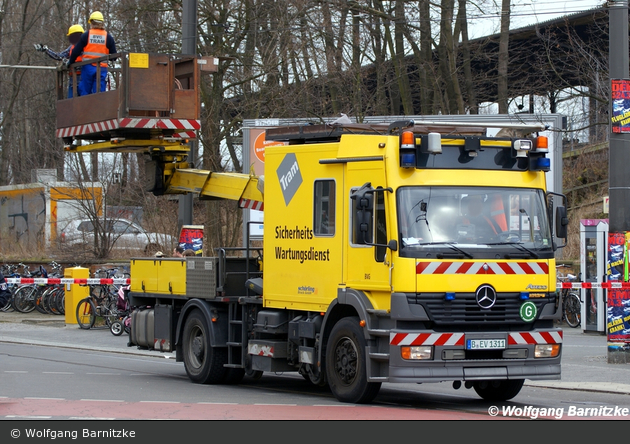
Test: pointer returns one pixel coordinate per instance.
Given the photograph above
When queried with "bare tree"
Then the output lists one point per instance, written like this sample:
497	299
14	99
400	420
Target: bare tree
504	42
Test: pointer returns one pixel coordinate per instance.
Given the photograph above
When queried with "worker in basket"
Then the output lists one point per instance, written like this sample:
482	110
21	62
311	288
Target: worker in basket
93	44
74	34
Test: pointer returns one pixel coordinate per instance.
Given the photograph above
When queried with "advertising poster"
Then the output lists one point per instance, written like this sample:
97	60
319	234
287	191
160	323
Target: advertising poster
191	238
618	300
620	119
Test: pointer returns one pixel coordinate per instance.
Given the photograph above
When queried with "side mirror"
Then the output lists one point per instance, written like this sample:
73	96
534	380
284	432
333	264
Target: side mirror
560	219
363	218
562	222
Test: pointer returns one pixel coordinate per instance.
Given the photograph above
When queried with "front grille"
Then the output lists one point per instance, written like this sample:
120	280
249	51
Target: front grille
464	309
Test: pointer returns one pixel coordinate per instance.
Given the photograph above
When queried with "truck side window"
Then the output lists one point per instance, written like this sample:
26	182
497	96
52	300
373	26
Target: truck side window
324	208
380	227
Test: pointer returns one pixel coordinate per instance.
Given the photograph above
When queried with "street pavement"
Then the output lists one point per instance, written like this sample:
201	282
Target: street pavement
584	360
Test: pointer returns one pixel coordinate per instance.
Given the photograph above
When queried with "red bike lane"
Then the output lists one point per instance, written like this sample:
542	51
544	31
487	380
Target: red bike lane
19	408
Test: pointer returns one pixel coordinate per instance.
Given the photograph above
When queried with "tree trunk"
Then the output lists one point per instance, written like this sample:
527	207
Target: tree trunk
504	42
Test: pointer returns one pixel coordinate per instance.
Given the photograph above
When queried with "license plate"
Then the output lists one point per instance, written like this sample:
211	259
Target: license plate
485	344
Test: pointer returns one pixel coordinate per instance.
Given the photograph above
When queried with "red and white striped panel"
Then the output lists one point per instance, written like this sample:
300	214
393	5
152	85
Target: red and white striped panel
260	349
187	126
457	339
543	337
251	204
446	267
90	128
57	281
150	123
185	135
426	339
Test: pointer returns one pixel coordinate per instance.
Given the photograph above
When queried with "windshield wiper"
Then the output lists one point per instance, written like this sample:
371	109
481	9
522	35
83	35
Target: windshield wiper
518	246
450	245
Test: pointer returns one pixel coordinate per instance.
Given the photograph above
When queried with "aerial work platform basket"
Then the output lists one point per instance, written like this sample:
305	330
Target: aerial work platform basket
149	97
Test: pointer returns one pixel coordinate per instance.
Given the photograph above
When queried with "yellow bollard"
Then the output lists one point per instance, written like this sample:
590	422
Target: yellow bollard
75	292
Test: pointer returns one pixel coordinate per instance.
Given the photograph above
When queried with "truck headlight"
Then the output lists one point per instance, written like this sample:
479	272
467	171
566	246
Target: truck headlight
547	350
417	352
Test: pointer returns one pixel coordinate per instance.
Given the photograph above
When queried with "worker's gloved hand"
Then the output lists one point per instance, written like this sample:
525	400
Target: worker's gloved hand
41	48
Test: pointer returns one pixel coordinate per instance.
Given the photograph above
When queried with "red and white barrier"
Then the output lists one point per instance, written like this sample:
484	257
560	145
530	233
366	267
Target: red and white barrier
58	281
606	285
127	281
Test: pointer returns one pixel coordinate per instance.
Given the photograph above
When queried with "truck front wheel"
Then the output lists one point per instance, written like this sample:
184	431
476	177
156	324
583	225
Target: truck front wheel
498	390
346	363
204	364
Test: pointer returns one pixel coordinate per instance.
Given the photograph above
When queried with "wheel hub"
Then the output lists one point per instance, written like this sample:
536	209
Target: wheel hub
346	361
197	347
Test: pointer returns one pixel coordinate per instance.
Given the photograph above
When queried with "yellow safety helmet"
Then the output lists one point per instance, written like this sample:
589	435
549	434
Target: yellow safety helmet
96	16
75	28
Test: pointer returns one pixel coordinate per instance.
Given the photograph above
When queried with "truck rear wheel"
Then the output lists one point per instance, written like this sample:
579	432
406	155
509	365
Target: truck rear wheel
234	375
204	364
498	390
346	362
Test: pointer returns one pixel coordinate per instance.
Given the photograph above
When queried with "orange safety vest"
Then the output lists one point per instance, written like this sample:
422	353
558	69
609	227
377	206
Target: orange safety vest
96	46
498	213
79	59
483	217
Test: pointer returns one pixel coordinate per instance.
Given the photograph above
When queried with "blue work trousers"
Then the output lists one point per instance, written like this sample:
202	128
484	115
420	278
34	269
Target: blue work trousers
70	82
87	85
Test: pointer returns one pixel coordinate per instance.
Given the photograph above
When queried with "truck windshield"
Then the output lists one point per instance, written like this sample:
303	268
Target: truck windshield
509	222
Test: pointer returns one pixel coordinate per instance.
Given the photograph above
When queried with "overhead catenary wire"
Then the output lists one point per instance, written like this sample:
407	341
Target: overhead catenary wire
28	67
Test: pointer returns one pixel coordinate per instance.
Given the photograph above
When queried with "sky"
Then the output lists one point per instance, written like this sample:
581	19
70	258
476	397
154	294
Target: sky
529	12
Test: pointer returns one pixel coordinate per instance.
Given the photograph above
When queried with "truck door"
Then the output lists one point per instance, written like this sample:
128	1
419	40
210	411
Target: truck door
368	265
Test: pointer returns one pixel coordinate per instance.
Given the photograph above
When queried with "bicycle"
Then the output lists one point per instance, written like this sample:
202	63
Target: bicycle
101	303
570	299
10	271
25	295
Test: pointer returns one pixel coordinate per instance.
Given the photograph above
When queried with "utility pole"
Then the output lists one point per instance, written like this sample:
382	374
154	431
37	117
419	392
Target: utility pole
618	179
189	46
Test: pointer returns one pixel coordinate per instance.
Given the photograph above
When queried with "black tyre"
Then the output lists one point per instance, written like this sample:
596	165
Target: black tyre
46	301
204	364
60	300
572	310
346	362
234	375
39	301
117	328
498	390
24	299
254	374
8	306
86	313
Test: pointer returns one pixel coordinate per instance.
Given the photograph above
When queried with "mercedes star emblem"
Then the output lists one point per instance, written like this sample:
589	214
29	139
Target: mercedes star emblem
486	297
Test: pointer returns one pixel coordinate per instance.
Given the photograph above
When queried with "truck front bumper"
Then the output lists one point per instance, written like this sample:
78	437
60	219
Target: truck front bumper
452	358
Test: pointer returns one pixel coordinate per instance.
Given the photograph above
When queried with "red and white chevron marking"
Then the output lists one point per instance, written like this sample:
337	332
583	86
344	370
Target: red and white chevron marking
426	339
58	281
187	126
252	204
446	267
260	349
180	124
542	337
90	128
457	339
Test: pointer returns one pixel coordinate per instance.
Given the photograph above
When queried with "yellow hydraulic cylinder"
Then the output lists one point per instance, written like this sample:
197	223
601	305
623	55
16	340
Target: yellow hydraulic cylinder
75	292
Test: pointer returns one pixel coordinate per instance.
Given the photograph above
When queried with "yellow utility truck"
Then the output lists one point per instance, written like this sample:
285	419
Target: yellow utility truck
404	252
391	253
